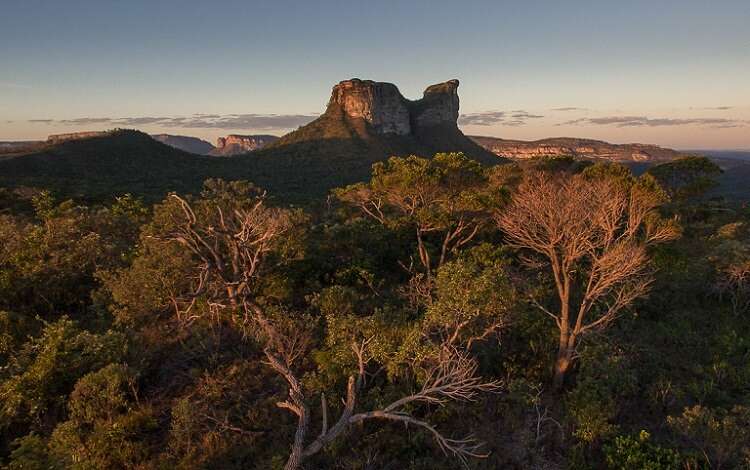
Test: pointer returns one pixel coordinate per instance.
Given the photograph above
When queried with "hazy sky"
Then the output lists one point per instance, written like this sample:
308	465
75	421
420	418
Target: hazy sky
671	72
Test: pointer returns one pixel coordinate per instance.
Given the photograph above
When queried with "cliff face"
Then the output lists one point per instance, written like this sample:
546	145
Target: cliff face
386	111
579	148
234	144
438	106
378	103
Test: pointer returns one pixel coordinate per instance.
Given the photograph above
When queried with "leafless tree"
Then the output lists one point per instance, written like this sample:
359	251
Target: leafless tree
734	283
231	248
593	235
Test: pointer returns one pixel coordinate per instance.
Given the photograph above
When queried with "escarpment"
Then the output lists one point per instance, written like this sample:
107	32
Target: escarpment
379	104
386	111
577	148
234	144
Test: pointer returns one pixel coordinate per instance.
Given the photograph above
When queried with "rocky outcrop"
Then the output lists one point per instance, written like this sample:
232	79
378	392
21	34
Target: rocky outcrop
367	122
237	144
438	106
386	111
378	103
578	148
59	138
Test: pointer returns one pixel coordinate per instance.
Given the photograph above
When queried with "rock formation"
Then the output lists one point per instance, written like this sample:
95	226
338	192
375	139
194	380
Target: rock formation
578	148
386	111
438	106
378	103
236	144
367	122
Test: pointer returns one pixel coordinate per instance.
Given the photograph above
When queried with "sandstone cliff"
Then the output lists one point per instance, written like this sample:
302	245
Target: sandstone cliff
578	148
386	111
237	144
379	104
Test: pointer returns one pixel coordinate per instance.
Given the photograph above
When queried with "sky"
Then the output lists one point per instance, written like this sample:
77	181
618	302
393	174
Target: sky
669	72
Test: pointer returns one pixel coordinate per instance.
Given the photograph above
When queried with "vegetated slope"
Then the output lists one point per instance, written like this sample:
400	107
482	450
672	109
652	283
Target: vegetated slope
334	150
328	155
185	143
118	162
579	148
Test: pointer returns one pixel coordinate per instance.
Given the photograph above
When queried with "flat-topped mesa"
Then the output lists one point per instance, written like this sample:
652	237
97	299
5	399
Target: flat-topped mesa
235	144
378	103
59	138
383	107
438	106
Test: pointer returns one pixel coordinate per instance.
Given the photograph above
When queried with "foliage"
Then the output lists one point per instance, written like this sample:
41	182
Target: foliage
629	452
105	427
446	199
722	436
687	177
39	376
125	343
30	453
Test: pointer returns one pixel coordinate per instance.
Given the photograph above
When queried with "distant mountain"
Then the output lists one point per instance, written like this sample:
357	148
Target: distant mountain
18	146
99	165
186	143
367	122
332	151
579	148
234	144
725	154
375	121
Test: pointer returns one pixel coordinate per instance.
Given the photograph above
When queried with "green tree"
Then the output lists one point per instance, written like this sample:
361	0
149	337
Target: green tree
446	200
686	178
631	452
232	250
106	428
40	375
722	436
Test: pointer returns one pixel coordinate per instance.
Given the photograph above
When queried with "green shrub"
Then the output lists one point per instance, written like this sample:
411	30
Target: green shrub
637	452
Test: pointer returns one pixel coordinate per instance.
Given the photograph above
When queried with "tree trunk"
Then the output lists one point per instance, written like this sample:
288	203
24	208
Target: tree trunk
563	362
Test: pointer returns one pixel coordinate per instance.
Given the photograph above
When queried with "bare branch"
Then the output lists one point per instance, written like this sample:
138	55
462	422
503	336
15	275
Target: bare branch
593	235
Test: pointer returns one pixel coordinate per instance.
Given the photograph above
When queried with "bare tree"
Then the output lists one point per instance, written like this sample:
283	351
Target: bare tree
231	248
734	282
593	235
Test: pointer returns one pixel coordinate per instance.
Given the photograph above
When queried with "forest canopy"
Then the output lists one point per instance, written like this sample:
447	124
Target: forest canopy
441	314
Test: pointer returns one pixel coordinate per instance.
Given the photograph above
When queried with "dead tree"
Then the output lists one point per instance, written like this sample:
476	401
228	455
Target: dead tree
734	282
593	235
231	248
